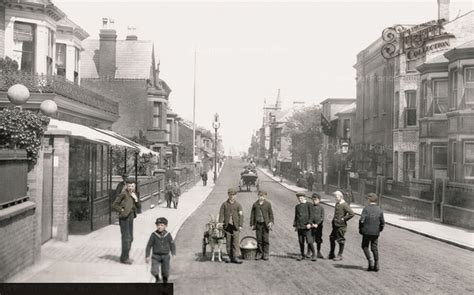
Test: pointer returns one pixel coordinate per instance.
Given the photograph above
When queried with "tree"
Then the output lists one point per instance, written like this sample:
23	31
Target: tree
304	130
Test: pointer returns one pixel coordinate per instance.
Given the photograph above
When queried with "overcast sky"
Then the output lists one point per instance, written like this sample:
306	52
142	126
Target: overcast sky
247	50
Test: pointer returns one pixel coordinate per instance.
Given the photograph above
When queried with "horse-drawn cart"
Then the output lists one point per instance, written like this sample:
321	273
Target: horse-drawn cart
247	180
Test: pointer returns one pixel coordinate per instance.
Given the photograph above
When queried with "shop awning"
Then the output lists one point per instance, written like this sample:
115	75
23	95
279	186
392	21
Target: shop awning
87	133
143	150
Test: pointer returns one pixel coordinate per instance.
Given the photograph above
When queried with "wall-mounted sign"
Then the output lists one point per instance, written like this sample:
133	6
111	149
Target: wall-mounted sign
416	41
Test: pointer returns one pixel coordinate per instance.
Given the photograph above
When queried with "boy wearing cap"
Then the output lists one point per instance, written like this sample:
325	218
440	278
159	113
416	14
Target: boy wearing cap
317	226
302	223
231	215
371	223
161	243
261	220
342	213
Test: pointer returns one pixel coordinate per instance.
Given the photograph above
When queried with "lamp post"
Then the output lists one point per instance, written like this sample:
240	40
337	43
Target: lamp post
345	150
215	124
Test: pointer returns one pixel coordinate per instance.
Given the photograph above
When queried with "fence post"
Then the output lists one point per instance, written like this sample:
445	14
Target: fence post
443	196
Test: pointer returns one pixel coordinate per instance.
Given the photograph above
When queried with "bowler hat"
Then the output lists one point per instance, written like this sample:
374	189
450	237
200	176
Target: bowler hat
300	194
161	220
231	191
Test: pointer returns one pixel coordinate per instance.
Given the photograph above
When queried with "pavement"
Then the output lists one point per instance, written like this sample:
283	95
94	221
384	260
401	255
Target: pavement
94	258
456	236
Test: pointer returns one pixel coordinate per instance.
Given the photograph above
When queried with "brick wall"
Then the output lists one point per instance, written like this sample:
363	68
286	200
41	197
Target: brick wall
17	242
2	31
132	98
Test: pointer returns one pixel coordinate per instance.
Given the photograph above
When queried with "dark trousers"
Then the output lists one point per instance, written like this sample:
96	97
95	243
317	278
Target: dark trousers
126	229
373	241
169	196
160	261
310	186
317	234
263	240
304	235
337	234
232	241
204	182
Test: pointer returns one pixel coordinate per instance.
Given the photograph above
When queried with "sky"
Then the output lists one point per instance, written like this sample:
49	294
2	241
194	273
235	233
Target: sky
246	51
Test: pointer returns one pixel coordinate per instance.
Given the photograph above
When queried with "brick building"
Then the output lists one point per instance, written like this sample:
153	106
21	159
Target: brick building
126	70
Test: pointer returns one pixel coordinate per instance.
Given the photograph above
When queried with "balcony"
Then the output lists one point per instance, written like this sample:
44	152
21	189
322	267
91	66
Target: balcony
58	85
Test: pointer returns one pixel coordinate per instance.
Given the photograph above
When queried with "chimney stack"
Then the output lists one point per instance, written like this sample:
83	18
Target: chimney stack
107	53
443	9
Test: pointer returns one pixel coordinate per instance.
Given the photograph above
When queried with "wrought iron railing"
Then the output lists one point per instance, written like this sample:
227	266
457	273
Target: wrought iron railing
56	84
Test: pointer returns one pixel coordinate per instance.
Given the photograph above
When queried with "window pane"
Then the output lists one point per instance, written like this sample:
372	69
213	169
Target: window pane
469	74
440	96
24	46
410	97
469	153
61	55
440	88
440	156
156	122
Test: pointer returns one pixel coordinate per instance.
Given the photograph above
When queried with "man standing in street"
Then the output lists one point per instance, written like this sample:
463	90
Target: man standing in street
169	193
176	193
342	213
127	204
310	181
122	185
261	220
371	223
302	224
231	215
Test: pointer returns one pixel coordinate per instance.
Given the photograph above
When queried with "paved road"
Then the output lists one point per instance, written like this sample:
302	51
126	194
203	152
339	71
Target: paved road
410	263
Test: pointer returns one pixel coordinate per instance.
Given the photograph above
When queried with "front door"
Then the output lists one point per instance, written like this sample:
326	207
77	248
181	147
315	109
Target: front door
47	203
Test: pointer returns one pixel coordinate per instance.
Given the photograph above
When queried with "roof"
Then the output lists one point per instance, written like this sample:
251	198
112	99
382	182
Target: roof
76	29
338	100
143	150
134	59
347	110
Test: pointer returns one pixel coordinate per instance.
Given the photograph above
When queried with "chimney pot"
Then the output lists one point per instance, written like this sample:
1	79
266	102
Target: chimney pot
443	9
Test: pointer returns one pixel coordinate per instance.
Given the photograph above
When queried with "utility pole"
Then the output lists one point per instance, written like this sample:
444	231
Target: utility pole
194	108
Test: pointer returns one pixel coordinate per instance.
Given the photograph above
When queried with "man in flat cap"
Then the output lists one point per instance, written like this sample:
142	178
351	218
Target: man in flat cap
304	219
371	223
317	227
231	215
261	220
342	213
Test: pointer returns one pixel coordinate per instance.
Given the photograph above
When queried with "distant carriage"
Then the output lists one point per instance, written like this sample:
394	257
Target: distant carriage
248	179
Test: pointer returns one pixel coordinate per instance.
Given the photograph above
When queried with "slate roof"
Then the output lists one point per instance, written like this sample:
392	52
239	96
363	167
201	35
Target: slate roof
134	59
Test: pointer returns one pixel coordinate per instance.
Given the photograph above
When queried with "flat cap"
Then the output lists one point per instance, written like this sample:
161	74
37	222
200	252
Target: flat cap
231	191
161	220
262	193
300	194
315	196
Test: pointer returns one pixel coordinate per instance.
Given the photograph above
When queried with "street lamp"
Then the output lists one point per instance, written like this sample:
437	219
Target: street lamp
345	150
215	124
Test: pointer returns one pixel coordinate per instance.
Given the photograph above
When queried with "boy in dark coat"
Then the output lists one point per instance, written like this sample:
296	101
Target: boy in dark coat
371	223
302	224
161	243
342	213
317	227
261	220
232	216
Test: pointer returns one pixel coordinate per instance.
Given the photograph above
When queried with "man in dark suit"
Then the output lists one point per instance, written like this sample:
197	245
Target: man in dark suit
261	220
232	216
371	223
302	224
127	204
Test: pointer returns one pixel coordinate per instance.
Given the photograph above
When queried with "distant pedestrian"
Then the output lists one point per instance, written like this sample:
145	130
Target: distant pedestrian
317	227
127	204
121	186
231	215
161	244
342	213
176	193
169	193
302	224
310	181
204	178
371	223
261	220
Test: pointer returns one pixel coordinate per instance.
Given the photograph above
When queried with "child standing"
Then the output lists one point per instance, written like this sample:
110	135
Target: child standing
302	224
161	243
371	223
317	227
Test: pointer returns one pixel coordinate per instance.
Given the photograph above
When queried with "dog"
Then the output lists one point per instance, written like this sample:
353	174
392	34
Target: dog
215	233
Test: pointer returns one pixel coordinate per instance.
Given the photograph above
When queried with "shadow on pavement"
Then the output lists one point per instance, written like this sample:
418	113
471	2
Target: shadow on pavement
111	257
345	266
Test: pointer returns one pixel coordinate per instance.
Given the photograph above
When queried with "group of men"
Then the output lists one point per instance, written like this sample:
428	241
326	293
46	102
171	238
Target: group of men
308	223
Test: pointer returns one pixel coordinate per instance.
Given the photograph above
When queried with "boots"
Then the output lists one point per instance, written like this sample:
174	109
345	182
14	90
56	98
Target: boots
319	255
165	280
333	248
371	265
157	278
339	255
376	266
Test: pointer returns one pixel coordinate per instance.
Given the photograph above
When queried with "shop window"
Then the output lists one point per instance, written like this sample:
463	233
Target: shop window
61	59
410	109
453	86
24	51
156	114
468	160
440	96
469	85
